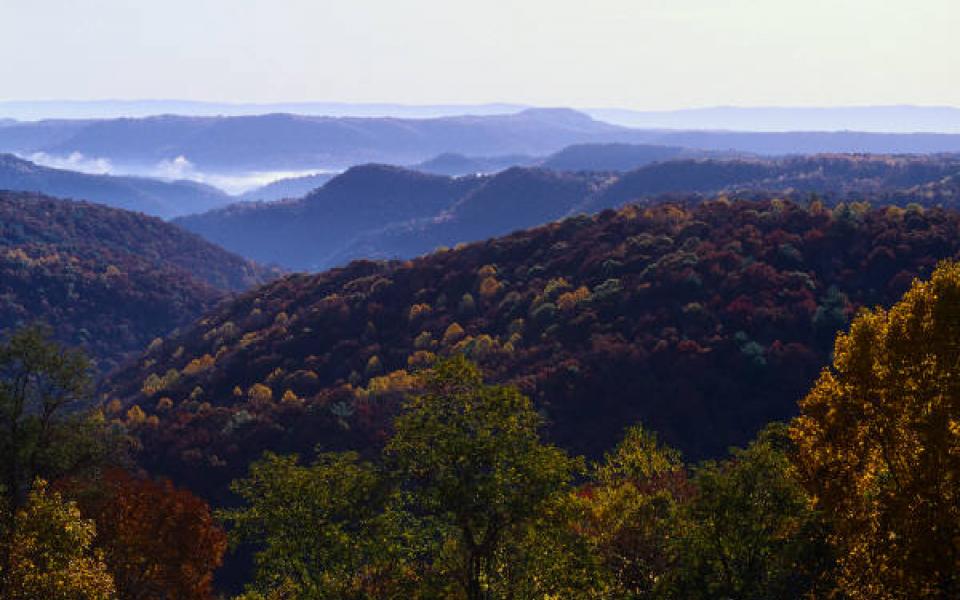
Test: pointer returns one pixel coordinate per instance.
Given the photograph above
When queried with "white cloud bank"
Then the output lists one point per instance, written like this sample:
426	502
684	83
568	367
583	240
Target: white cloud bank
177	168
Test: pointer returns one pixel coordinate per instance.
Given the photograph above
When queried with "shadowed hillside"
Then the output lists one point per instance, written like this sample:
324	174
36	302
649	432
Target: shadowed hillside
106	279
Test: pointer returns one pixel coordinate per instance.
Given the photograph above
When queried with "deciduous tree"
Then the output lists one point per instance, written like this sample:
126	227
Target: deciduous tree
879	445
470	456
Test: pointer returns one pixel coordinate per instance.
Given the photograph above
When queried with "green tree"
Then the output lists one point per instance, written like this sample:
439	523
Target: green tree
749	531
633	513
312	525
879	445
46	426
467	502
549	556
470	456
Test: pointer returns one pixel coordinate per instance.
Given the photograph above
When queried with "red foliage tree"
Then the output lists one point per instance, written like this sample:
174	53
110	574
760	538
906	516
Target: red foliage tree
159	542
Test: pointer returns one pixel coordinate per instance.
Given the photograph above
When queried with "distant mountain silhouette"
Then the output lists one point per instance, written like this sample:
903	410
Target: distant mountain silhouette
388	212
289	141
902	119
454	164
151	196
285	141
899	118
110	109
290	187
304	233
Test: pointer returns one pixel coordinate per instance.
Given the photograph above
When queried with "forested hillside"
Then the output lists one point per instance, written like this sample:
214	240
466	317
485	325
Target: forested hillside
106	279
704	322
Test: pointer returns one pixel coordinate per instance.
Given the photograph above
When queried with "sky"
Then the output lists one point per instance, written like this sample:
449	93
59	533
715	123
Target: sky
641	54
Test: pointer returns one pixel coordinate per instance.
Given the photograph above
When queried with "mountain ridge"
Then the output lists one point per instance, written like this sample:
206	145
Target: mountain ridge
151	196
281	233
106	279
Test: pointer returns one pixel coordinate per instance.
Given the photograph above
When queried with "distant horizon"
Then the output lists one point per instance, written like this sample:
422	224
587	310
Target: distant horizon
490	103
868	118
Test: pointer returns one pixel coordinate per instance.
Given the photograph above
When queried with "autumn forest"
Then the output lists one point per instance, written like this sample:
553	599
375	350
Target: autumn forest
748	395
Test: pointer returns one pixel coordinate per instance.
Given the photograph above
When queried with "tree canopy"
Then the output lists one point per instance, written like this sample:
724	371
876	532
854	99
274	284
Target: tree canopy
879	445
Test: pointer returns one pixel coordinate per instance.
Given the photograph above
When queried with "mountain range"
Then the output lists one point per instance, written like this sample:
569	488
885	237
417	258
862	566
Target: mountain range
296	142
376	211
286	141
151	196
889	119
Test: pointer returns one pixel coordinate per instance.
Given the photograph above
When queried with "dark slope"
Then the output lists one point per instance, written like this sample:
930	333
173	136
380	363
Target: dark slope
151	196
518	198
704	322
107	279
304	233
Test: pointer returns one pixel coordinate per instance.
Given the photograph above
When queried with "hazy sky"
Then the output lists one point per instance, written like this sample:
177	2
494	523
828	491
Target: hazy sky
648	54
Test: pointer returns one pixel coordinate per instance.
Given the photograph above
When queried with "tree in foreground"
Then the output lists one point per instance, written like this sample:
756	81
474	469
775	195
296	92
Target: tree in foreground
633	511
467	503
749	530
312	523
158	542
47	428
469	455
51	553
879	445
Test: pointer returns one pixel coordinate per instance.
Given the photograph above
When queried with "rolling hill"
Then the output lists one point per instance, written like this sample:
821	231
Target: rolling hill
704	322
151	196
107	279
288	187
305	233
381	212
453	164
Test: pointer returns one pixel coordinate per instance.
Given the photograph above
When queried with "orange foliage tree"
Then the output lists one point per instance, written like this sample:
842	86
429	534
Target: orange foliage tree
159	542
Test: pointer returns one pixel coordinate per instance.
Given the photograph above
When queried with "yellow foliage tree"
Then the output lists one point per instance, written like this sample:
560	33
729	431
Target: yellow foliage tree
51	555
879	445
453	334
198	365
419	310
289	397
489	287
135	415
259	394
